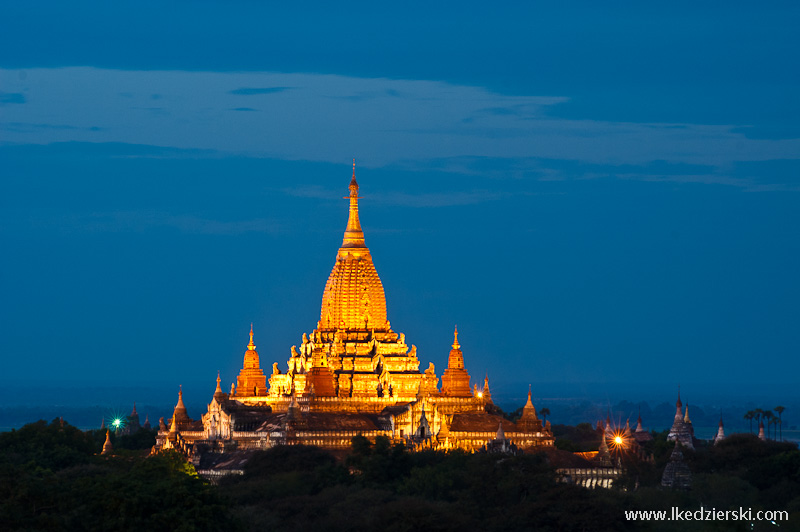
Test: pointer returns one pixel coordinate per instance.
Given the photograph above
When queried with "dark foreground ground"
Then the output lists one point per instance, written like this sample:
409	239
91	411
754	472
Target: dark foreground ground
52	478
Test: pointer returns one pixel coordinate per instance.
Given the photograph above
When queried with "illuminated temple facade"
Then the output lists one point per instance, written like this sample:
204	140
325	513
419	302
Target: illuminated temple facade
353	374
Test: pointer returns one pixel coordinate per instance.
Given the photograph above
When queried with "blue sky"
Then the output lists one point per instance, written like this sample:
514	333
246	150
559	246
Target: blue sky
595	195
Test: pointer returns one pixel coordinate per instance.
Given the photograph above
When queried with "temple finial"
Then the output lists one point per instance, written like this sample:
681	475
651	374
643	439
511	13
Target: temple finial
251	346
353	182
353	235
456	345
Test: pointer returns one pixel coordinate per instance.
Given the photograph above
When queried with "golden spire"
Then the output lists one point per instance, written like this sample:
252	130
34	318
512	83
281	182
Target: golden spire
251	346
686	417
529	404
218	390
353	235
455	381
179	415
107	447
353	296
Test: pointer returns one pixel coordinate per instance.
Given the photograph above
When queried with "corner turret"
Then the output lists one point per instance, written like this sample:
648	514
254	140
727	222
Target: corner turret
455	380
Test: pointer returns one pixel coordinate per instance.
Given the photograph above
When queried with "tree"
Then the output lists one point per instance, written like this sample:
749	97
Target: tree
544	412
779	409
774	421
769	416
749	416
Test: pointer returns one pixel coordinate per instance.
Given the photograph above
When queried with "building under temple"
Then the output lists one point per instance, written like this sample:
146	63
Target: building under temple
353	374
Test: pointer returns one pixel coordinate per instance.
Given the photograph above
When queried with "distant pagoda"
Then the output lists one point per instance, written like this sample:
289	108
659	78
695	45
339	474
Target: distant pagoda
682	430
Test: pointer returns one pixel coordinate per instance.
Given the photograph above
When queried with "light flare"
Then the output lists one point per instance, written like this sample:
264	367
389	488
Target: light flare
619	441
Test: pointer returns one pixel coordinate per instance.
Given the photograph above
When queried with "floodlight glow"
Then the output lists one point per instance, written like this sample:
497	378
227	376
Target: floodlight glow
619	441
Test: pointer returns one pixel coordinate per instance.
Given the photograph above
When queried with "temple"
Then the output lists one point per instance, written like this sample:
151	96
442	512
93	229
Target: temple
682	429
353	374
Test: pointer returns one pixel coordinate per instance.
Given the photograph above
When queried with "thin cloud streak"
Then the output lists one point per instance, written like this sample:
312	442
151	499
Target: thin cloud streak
328	117
134	222
404	199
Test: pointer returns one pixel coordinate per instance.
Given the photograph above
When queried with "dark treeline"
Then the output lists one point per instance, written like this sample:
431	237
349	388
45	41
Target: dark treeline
384	487
52	477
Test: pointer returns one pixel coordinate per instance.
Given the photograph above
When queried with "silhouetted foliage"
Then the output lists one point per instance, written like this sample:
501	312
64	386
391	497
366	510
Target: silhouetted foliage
52	478
740	471
581	437
142	439
382	486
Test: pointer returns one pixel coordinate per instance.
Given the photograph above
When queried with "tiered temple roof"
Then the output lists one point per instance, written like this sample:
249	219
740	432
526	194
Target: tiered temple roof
455	381
640	435
682	429
351	375
677	474
251	381
720	432
353	297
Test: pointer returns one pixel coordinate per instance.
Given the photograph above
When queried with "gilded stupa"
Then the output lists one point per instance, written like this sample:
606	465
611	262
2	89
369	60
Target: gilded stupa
351	375
353	296
353	352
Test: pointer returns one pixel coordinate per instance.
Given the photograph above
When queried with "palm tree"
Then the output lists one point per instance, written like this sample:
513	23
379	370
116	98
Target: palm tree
769	416
779	410
749	416
544	412
774	421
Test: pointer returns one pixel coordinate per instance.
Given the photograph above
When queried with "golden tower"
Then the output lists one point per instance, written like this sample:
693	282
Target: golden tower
455	381
251	380
351	375
353	352
353	297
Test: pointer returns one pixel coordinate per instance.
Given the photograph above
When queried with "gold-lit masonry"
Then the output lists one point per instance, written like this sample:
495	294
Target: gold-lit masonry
353	374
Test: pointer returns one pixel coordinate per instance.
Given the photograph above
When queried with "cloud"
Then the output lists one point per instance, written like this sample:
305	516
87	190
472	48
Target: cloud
442	199
11	97
329	118
312	191
137	222
21	127
251	91
403	199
